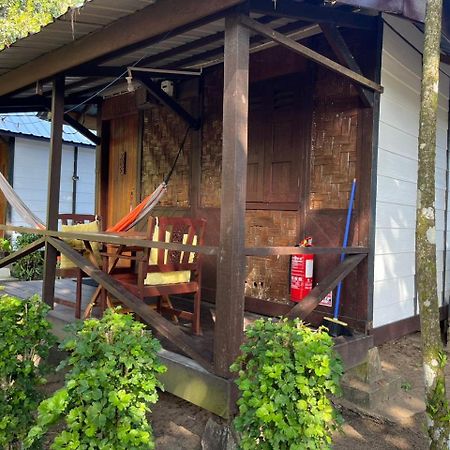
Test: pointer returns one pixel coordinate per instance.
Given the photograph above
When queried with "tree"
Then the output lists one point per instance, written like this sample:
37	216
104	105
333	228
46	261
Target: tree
21	17
434	358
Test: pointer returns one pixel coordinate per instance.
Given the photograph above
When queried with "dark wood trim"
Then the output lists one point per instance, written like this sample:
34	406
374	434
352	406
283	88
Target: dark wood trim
266	307
315	14
156	91
312	300
196	155
231	273
54	183
82	129
403	327
173	333
275	251
103	166
275	36
156	21
344	55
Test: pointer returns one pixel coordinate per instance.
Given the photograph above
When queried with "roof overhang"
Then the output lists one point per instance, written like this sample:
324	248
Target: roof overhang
152	22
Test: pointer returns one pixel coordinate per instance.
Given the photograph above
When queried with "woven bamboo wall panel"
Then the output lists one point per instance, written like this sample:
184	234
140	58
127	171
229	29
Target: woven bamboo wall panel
211	162
268	278
334	155
163	132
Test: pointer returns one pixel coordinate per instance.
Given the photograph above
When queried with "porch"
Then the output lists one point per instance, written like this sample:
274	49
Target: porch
258	201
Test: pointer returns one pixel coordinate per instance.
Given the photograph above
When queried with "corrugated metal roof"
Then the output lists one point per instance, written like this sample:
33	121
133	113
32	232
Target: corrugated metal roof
29	124
76	23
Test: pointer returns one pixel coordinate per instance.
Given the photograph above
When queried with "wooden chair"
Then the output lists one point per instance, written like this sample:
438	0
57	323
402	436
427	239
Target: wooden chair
161	273
74	272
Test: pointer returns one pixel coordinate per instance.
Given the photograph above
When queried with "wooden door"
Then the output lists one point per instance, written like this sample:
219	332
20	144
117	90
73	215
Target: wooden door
4	169
278	132
123	163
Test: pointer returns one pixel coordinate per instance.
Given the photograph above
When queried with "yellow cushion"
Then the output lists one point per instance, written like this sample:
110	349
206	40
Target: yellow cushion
77	244
179	276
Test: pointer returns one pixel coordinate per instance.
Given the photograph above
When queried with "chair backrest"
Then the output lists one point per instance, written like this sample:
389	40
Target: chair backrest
180	230
76	219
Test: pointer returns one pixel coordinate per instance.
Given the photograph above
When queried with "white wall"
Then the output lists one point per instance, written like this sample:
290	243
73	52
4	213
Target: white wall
394	277
31	172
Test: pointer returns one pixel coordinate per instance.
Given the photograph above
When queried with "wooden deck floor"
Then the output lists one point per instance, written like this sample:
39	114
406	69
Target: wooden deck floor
352	349
62	315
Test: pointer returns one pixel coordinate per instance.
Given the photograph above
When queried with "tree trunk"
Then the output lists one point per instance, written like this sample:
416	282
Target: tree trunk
432	349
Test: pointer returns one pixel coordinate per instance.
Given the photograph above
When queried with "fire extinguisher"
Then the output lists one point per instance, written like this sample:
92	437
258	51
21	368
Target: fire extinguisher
302	273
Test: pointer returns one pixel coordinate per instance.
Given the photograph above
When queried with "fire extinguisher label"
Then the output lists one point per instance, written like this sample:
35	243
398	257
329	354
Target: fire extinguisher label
309	268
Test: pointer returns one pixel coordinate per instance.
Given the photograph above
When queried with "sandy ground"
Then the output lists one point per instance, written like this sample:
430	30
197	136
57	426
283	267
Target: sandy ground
397	424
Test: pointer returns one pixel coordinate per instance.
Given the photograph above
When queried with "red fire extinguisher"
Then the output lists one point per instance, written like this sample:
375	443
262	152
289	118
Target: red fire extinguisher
302	273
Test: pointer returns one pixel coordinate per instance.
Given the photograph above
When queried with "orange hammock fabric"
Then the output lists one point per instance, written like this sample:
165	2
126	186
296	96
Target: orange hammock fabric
140	211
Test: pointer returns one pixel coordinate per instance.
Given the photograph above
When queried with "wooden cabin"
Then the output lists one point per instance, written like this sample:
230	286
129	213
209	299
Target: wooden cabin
286	103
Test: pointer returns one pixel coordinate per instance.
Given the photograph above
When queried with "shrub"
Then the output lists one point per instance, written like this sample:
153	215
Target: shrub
29	267
111	382
286	373
5	246
24	340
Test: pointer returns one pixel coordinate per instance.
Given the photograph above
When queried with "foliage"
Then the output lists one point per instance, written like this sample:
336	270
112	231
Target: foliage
29	267
21	17
24	340
108	389
5	246
286	373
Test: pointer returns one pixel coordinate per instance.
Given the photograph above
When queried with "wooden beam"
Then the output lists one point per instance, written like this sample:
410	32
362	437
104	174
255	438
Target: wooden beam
53	188
312	300
315	14
158	21
228	332
165	99
118	239
308	53
82	129
340	48
277	251
173	333
30	248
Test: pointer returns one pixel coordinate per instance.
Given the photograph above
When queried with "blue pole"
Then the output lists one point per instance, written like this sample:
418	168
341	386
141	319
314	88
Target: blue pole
344	245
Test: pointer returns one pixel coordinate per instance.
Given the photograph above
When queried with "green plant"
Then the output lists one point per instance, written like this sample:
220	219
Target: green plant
287	372
406	386
111	382
25	339
5	246
29	267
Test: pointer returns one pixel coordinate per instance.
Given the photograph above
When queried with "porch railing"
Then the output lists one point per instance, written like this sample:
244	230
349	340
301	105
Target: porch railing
167	329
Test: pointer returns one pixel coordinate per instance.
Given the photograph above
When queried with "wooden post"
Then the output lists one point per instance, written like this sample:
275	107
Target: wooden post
231	259
54	178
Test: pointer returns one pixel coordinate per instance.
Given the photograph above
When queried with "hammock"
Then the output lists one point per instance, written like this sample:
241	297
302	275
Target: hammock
16	202
126	223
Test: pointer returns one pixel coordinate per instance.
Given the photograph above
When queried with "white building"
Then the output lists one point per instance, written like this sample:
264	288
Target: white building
29	142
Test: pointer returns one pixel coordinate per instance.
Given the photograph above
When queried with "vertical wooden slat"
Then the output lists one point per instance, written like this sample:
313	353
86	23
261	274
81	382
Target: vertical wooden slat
54	179
231	258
